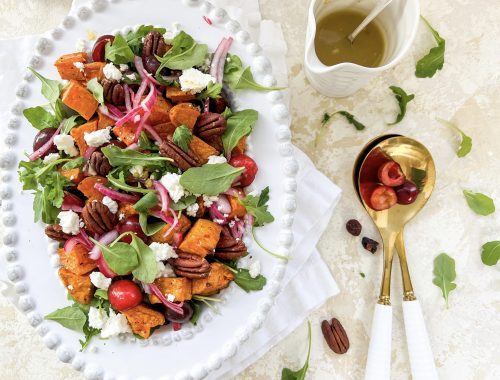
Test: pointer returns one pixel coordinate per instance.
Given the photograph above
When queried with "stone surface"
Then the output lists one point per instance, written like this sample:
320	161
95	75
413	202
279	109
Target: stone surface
467	91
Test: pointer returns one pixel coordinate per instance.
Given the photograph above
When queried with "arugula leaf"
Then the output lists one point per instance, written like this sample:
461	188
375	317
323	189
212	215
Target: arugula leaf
351	120
183	203
325	120
130	157
418	177
257	206
51	89
465	143
490	253
182	137
239	124
74	163
63	111
134	38
288	374
196	312
444	274
120	183
40	118
403	99
227	113
184	54
101	293
147	269
149	229
70	123
148	201
89	333
210	179
433	61
239	78
479	203
43	209
70	317
146	144
213	91
118	51
246	282
96	89
122	258
362	274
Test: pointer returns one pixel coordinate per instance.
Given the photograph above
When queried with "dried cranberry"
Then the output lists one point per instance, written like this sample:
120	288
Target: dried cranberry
353	227
369	244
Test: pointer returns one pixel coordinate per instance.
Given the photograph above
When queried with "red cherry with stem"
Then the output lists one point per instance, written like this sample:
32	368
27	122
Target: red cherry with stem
383	198
124	295
131	224
390	174
98	51
244	161
407	193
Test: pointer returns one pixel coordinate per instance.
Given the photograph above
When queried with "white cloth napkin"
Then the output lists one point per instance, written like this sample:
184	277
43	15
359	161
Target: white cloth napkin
308	282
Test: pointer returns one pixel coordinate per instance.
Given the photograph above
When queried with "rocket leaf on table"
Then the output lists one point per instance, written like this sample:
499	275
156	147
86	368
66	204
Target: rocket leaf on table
288	374
479	203
465	143
403	99
490	253
444	274
433	61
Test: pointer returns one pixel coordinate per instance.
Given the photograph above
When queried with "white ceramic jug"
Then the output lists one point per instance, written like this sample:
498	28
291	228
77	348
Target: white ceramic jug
399	23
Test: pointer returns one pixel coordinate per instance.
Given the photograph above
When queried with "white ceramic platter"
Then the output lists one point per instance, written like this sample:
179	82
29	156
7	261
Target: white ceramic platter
194	351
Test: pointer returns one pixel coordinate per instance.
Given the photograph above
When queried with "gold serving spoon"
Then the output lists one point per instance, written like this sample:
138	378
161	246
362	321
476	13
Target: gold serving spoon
418	166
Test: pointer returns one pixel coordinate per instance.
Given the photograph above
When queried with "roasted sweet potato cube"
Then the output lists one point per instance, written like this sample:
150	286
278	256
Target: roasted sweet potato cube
65	65
74	175
179	287
202	238
142	319
202	149
184	114
126	132
183	226
219	278
77	261
80	287
241	147
78	134
237	208
177	95
88	189
104	121
126	209
163	130
77	97
94	70
160	111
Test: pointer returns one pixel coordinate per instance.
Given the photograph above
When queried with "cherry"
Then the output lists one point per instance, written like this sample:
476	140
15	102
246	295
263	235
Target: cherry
243	161
124	295
406	193
366	189
383	198
369	170
42	137
131	224
390	174
99	46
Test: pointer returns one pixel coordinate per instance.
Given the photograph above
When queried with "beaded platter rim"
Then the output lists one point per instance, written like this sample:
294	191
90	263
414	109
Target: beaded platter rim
8	165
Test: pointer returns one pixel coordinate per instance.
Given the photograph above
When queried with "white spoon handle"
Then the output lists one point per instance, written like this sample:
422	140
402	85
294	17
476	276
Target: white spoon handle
419	348
374	13
378	364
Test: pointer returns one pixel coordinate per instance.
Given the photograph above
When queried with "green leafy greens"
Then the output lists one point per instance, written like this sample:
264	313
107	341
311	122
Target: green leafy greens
40	118
118	51
239	124
119	183
327	117
288	374
465	143
444	274
433	61
96	89
490	253
129	157
213	91
418	177
71	317
149	229
257	206
403	99
51	89
184	54
246	282
182	137
239	78
210	179
479	203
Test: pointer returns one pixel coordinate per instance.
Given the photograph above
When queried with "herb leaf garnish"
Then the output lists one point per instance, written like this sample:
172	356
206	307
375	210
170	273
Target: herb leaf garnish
239	124
257	206
433	61
288	374
239	78
122	258
118	51
243	279
403	99
490	253
130	157
184	54
71	317
444	274
182	137
119	183
210	179
465	143
40	118
479	203
147	269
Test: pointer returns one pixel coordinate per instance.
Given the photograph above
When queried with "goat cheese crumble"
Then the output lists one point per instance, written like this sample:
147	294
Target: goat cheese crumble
216	160
254	269
69	222
114	325
99	280
111	72
170	34
194	81
79	65
97	317
51	157
208	200
66	144
163	252
167	271
123	67
191	210
171	181
97	138
111	204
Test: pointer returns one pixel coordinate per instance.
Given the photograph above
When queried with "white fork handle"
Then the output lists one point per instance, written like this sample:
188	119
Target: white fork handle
378	364
419	348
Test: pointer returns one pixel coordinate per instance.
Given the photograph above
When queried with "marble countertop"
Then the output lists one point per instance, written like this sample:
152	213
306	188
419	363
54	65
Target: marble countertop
465	337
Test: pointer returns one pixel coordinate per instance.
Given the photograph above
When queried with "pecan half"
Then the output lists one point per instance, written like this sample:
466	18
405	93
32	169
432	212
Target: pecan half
99	163
113	92
55	232
210	127
335	336
228	248
97	217
154	44
191	266
183	160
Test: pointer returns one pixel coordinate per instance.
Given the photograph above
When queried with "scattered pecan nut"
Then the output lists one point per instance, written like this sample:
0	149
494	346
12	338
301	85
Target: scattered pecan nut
55	232
99	163
191	266
98	218
210	127
353	227
113	92
183	160
369	244
335	336
154	44
228	248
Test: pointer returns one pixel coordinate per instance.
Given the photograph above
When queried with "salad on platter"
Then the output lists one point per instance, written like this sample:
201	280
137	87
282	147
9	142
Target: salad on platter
139	170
